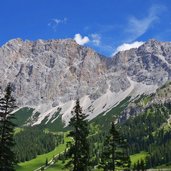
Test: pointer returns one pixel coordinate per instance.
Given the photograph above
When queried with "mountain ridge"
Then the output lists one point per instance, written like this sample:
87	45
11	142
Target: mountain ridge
49	75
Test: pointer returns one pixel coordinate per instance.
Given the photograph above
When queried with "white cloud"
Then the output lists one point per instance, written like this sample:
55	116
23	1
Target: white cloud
127	46
96	39
60	21
81	40
55	22
137	27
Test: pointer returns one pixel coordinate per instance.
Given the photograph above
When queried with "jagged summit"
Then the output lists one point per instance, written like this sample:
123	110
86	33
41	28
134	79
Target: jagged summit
50	74
152	41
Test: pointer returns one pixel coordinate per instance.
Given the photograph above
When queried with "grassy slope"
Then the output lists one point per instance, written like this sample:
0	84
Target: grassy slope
165	166
134	159
22	115
40	160
25	113
139	156
102	120
17	130
57	125
105	120
59	166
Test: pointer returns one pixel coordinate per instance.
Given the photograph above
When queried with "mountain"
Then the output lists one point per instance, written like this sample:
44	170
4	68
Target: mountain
162	97
48	76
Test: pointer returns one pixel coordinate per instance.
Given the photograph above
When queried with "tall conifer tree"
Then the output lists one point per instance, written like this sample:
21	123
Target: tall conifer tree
115	152
79	149
7	156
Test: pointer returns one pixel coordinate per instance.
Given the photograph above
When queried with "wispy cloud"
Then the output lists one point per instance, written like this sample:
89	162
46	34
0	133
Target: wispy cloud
55	22
96	39
138	26
127	46
81	40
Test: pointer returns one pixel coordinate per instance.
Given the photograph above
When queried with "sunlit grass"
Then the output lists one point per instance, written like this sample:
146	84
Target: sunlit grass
139	156
40	159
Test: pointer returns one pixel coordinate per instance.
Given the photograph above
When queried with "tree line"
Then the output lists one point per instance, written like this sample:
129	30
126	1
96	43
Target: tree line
34	141
91	147
114	155
150	132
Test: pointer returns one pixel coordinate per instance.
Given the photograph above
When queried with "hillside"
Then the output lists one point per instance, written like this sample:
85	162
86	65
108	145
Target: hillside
133	87
47	76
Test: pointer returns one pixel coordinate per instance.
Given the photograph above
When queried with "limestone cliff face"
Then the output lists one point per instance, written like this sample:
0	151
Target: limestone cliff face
56	72
149	64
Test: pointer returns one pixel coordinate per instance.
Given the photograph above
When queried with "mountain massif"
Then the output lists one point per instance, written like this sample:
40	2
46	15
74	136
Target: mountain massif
48	76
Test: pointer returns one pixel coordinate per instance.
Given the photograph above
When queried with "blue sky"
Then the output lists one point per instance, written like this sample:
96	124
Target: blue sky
103	25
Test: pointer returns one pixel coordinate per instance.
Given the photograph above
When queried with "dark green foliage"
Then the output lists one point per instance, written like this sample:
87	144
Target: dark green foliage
22	116
42	168
7	156
35	141
139	166
115	151
105	120
159	154
57	124
140	130
145	132
46	162
79	149
96	138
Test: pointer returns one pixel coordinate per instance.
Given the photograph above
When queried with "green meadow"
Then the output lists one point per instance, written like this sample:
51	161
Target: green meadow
40	159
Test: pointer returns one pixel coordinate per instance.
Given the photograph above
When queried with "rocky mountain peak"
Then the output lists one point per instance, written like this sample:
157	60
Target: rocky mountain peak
51	74
152	41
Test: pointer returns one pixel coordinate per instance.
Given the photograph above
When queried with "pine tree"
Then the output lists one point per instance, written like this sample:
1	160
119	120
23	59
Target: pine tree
142	165
123	154
7	156
79	149
46	162
114	152
138	166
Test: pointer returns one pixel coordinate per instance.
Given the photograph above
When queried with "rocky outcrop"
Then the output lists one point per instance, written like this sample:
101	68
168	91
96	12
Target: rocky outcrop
149	64
56	72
